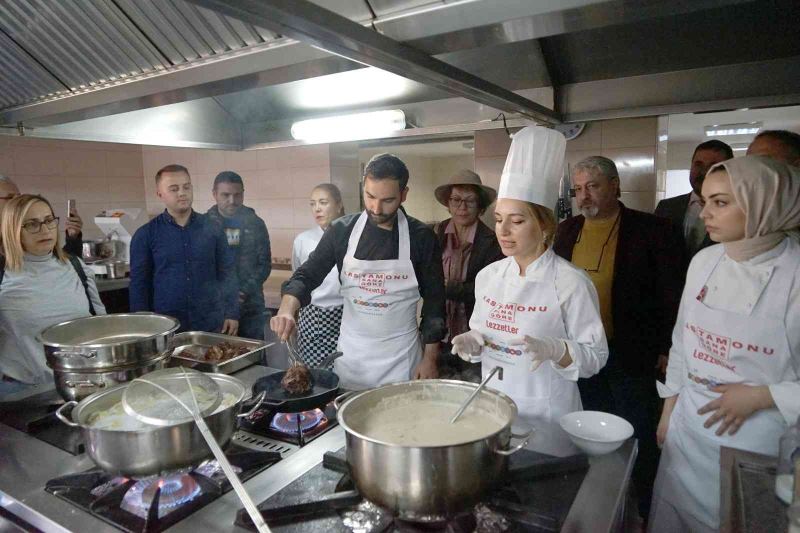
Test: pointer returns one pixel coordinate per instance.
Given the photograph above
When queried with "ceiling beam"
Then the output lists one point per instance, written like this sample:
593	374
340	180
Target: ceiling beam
309	23
719	88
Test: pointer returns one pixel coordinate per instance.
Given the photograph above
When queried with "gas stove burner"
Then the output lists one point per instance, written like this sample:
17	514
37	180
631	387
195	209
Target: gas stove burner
288	422
108	486
212	470
176	490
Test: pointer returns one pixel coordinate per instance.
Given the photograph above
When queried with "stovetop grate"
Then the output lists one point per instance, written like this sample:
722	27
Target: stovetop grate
263	444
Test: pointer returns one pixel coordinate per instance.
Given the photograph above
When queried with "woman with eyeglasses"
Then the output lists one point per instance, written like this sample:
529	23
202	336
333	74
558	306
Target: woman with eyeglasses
468	245
40	286
733	377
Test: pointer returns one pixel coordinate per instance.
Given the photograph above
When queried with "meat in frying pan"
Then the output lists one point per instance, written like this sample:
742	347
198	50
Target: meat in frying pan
297	379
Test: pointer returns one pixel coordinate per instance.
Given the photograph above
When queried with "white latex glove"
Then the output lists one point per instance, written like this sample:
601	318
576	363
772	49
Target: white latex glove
467	345
541	349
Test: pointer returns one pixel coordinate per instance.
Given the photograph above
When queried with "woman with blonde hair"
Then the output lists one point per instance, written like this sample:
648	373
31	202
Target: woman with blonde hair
319	323
536	315
733	377
40	285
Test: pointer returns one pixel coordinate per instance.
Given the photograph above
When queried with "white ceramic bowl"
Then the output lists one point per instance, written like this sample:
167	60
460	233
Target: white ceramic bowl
595	432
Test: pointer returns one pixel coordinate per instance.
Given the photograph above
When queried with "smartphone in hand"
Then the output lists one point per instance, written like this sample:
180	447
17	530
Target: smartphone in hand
70	207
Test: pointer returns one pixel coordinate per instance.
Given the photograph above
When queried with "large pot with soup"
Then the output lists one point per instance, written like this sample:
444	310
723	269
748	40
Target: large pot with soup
121	444
405	455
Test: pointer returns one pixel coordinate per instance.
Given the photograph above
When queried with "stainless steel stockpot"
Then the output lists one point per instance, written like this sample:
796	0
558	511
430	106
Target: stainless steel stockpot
92	251
78	384
153	450
105	342
425	482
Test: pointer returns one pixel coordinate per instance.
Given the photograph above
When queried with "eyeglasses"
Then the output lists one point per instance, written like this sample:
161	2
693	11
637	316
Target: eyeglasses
455	201
35	226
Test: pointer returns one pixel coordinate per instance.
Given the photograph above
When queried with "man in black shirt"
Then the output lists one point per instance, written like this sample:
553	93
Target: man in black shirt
386	262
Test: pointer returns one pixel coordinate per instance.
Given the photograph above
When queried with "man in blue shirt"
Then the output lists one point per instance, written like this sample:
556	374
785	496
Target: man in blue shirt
248	237
181	264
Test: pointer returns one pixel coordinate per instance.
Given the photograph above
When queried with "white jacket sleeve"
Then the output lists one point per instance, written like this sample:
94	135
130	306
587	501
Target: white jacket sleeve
586	338
676	368
296	251
787	393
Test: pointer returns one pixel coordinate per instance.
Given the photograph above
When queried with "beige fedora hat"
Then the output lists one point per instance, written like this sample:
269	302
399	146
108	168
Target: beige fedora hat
465	177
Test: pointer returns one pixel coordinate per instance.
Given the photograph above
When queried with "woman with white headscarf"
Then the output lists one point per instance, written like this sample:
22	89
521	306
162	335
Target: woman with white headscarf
734	368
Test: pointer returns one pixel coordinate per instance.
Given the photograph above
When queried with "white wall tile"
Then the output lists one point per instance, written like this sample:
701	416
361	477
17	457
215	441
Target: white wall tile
210	161
88	189
304	179
124	163
268	184
241	162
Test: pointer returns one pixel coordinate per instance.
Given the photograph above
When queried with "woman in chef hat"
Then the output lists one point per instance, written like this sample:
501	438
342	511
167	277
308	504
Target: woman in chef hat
734	368
536	315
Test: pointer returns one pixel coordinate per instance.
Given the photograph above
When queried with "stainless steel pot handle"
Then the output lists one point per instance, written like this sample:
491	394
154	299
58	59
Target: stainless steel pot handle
525	438
85	384
259	401
67	353
64	417
339	400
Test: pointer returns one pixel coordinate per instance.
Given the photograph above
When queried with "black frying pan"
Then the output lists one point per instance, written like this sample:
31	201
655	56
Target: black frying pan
325	388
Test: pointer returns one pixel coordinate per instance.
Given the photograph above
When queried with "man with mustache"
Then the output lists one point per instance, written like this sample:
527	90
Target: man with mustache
635	261
387	262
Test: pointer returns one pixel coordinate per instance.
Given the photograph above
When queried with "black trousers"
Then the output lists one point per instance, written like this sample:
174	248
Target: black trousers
634	398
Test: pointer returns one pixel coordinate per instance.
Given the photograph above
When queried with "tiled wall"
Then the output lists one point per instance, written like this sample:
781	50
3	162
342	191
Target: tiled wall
631	143
97	175
278	183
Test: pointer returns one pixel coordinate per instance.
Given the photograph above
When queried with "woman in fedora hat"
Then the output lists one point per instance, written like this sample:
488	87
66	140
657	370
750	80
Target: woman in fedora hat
468	245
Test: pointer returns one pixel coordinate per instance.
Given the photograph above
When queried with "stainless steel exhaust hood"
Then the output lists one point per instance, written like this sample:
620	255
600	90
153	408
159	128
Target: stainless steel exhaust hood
236	73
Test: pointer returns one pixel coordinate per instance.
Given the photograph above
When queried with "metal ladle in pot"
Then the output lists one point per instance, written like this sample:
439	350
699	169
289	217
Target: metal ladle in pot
496	370
163	397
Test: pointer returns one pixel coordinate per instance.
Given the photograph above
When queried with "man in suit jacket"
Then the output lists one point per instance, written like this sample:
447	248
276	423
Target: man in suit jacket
684	210
634	260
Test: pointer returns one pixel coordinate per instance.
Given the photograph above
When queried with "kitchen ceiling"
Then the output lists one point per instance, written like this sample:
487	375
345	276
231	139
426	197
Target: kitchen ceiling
81	68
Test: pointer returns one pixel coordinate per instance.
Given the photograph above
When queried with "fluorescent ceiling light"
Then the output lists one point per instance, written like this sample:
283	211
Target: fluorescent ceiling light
372	125
723	130
343	89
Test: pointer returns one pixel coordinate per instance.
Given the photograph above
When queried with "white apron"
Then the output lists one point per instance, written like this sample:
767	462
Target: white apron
752	349
509	306
379	337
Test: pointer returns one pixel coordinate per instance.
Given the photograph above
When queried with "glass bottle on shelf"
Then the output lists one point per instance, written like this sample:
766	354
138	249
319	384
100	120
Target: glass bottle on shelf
788	463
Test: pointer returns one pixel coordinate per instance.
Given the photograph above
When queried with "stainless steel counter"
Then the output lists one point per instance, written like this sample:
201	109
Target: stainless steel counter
105	284
27	463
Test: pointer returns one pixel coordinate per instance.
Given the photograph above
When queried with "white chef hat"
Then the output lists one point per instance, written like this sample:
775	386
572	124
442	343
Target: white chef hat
534	166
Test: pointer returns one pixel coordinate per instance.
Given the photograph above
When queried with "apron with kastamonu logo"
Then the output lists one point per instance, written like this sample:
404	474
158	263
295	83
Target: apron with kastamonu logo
507	307
379	337
723	347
